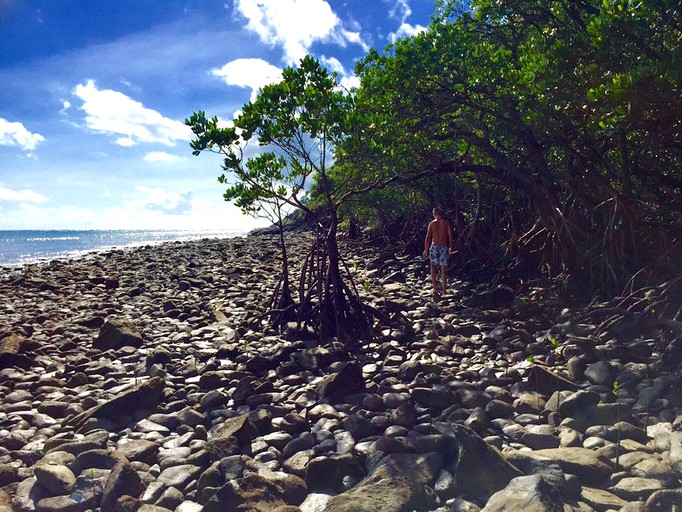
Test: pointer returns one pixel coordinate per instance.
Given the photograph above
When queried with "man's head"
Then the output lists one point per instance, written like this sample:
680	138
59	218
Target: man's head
437	213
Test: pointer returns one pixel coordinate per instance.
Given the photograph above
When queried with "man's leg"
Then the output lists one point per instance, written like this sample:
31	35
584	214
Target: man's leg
444	277
433	278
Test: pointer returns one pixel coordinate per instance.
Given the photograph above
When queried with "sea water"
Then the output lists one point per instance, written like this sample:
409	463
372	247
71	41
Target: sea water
18	247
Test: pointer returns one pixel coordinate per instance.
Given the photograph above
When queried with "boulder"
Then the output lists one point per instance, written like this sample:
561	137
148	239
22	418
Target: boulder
528	493
234	436
10	347
123	481
587	465
116	333
144	396
480	469
398	482
256	493
347	381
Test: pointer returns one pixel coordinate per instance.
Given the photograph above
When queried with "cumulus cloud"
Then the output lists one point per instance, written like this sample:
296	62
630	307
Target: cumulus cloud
171	203
113	113
16	134
401	10
162	156
22	196
294	24
406	30
249	73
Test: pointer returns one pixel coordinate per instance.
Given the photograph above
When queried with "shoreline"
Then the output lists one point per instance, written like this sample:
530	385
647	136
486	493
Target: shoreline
73	254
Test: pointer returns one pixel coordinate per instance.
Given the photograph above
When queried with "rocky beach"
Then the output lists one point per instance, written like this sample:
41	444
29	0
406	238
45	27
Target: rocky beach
146	379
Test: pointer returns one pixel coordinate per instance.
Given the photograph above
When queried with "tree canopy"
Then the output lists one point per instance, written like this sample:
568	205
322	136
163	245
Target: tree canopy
550	128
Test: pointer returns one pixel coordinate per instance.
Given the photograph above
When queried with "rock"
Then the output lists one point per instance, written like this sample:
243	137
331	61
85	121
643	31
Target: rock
437	399
333	474
600	373
636	488
398	482
179	476
97	458
676	451
528	493
140	450
10	347
252	492
547	382
56	478
116	333
585	464
123	481
600	499
8	474
480	470
578	401
347	381
234	434
144	396
664	500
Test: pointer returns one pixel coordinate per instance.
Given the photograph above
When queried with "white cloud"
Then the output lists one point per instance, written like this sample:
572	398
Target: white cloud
162	156
22	196
249	73
400	10
159	199
406	30
293	24
113	113
349	82
15	134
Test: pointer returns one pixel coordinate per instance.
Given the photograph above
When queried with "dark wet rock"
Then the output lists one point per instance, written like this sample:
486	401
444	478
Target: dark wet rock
347	381
116	333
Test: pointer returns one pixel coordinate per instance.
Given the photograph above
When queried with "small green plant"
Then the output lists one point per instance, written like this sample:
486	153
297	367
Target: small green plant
365	285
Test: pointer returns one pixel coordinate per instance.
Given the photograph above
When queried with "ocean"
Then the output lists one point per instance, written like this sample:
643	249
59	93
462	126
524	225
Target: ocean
19	247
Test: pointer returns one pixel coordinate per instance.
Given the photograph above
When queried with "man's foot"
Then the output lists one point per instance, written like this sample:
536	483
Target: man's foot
435	296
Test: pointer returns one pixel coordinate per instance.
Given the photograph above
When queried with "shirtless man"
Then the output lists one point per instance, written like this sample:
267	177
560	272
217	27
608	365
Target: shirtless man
438	244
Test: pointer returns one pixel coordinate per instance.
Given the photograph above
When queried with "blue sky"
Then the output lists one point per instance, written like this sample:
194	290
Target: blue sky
94	93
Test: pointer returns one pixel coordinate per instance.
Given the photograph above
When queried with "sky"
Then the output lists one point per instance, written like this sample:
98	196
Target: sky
94	94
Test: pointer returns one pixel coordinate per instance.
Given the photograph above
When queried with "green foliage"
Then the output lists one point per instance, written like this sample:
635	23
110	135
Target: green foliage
556	123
